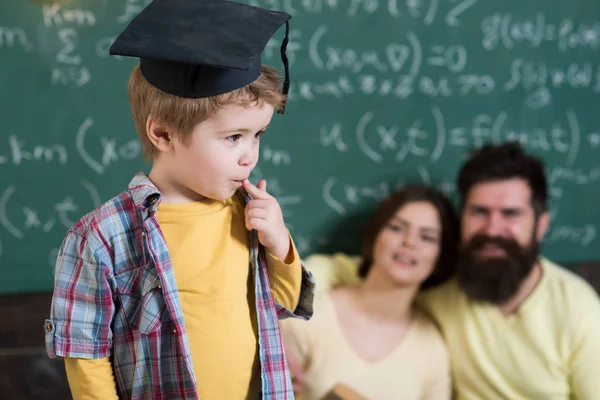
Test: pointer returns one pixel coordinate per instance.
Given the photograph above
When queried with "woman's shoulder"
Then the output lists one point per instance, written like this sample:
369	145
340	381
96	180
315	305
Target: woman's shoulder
323	302
427	331
324	310
333	270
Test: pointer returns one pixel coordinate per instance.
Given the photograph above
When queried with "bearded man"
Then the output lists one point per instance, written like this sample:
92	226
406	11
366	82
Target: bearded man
517	325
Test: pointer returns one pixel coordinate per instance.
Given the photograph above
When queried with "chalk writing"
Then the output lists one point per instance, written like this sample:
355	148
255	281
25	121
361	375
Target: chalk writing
393	58
333	136
383	93
65	76
28	218
581	235
531	75
453	16
69	69
295	7
276	157
340	197
424	10
111	152
55	15
20	154
132	8
508	31
575	176
452	57
594	139
14	37
68	37
400	87
430	137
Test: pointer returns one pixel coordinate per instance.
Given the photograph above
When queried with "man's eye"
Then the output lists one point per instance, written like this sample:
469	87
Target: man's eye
234	138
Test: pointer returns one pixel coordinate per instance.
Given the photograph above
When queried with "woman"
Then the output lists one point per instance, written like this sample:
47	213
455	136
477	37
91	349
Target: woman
369	338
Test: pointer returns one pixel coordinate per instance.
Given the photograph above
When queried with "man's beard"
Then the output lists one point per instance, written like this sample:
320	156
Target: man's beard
495	279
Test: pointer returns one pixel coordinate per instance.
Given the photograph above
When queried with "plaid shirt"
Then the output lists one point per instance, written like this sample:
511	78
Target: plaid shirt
115	295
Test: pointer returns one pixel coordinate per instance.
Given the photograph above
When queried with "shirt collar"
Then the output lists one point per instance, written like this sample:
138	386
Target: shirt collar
144	193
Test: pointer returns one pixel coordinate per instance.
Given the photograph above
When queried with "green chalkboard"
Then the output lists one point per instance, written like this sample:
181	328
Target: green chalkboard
384	92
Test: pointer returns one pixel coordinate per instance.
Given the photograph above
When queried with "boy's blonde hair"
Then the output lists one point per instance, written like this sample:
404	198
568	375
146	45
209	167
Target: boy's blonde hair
182	114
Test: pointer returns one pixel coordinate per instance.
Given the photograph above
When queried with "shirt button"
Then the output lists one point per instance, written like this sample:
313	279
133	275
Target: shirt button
159	286
174	330
143	233
48	326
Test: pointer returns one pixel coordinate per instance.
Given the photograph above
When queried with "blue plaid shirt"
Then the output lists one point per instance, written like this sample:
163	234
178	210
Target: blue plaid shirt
115	295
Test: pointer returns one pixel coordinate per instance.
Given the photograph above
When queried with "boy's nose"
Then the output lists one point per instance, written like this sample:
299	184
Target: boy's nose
249	157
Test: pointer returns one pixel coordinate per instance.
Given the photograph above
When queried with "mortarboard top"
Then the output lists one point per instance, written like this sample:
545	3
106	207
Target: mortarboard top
201	48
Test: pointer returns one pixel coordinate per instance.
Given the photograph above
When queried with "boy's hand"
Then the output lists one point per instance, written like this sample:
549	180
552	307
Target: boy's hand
264	214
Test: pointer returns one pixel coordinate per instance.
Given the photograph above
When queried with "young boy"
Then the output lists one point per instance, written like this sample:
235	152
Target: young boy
173	289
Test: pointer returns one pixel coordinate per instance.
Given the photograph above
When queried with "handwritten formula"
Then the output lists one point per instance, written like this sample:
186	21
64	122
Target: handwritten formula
383	93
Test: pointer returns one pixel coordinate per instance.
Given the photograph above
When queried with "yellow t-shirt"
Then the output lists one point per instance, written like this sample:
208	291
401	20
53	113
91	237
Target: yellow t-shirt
549	349
418	368
209	249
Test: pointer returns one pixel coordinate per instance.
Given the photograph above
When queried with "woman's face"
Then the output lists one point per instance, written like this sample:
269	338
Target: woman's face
407	247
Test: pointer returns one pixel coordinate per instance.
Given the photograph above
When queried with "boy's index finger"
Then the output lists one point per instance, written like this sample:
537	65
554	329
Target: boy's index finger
256	192
262	185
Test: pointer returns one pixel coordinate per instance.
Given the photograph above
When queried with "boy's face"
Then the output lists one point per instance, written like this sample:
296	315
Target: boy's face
222	152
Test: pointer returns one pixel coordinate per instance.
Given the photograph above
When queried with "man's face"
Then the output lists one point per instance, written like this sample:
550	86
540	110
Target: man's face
500	239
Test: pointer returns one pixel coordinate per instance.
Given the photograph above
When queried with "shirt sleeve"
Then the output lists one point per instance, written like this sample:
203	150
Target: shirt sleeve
292	285
285	278
82	303
585	368
91	379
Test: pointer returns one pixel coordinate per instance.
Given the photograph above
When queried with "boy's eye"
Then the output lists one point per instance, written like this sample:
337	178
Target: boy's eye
234	138
259	134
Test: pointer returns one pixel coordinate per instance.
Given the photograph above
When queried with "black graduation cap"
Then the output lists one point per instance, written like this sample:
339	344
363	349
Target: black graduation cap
201	48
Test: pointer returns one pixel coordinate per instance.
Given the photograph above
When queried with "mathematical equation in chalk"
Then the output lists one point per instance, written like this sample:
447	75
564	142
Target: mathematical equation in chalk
429	137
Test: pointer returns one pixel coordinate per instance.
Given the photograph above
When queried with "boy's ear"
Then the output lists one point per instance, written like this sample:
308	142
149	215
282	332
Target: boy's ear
159	134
